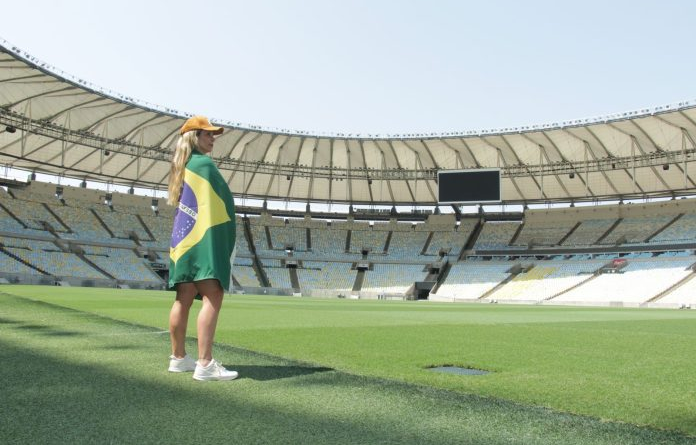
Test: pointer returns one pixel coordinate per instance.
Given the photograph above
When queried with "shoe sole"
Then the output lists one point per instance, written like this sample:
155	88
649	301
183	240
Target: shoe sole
180	370
214	379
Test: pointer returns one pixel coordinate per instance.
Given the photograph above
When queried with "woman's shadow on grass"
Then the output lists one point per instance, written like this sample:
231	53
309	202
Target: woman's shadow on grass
274	372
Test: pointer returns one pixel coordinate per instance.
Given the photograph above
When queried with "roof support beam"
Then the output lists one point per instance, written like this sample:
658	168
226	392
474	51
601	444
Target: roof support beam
243	157
275	177
683	167
548	161
398	163
369	180
459	162
418	166
590	154
519	162
43	93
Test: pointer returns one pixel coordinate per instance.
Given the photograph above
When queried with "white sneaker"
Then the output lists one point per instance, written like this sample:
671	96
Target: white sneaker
186	364
214	371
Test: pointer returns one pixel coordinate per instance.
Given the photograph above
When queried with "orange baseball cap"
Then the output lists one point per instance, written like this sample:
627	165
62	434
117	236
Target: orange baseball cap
199	123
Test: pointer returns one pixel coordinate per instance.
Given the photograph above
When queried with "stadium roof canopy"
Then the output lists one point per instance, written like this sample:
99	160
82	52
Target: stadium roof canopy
54	123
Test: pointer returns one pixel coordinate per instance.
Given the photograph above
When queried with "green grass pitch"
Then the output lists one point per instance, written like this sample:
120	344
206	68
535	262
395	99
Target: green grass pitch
87	365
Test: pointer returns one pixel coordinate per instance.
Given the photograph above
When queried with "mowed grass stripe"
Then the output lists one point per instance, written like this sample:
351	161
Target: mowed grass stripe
628	365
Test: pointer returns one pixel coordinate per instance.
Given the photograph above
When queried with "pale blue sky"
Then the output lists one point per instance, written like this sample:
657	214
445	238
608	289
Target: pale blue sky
372	66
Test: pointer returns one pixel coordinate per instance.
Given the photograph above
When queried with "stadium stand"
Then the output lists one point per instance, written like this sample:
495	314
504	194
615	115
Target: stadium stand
450	238
472	281
683	230
497	235
588	232
546	279
283	237
122	264
683	295
405	245
636	283
330	243
45	256
364	238
543	233
636	230
84	226
392	278
160	227
552	256
121	224
278	276
316	276
12	266
245	276
241	239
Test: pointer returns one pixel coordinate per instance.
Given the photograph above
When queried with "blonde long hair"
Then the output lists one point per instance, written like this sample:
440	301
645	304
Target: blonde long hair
184	145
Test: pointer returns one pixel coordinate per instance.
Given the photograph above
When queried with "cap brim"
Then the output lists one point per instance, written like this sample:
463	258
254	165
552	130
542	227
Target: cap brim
215	130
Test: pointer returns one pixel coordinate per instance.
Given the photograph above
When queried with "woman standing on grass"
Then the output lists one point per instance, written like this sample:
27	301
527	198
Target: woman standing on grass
202	246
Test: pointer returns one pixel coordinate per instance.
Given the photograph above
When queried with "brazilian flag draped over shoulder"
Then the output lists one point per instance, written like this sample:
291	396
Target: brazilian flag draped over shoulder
204	226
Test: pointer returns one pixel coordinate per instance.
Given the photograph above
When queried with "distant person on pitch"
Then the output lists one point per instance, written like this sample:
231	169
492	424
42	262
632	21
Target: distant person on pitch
202	246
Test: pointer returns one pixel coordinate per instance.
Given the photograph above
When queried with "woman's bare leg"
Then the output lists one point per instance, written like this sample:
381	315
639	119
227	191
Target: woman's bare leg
212	294
178	317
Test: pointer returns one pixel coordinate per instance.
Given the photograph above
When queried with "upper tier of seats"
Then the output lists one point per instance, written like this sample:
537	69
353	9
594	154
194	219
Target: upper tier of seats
81	216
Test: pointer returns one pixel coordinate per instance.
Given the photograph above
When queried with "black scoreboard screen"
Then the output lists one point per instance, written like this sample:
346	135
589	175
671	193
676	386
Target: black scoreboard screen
468	186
